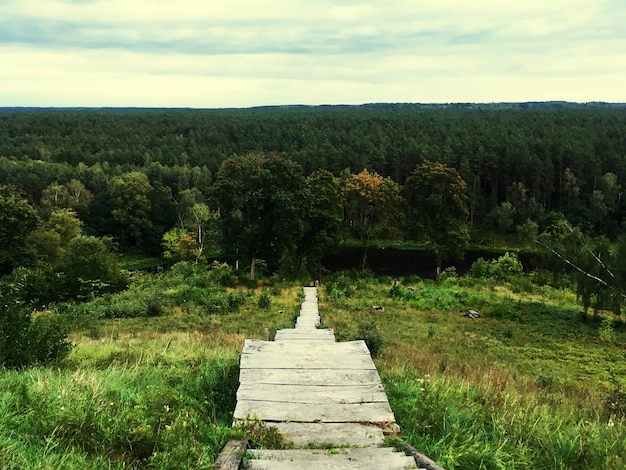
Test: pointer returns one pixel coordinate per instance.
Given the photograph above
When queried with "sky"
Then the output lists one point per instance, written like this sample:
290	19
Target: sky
243	53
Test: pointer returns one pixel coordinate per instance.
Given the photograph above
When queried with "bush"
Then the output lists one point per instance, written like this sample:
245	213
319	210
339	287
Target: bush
505	310
341	286
265	300
222	274
26	341
505	269
449	275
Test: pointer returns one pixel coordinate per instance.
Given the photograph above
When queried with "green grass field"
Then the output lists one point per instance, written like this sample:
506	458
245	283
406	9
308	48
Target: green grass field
533	383
151	380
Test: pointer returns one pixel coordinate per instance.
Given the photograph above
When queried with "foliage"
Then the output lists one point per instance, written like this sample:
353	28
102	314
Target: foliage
26	340
465	425
17	219
596	265
180	245
439	297
324	216
372	207
265	300
506	268
436	198
267	215
87	268
131	206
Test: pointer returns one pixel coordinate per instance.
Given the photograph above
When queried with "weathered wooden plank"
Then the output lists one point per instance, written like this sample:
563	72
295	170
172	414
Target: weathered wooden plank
300	331
369	393
321	413
305	334
231	456
355	458
328	339
253	346
338	434
309	377
310	360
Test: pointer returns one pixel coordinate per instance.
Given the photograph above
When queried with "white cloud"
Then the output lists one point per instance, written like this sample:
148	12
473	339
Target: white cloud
249	52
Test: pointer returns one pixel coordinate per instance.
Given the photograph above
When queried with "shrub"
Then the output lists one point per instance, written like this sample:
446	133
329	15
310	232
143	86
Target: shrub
506	268
449	275
222	274
440	298
369	333
26	341
480	269
505	310
340	286
265	300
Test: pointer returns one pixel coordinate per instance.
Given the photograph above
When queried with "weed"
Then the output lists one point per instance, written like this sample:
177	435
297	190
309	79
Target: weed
615	404
265	300
259	435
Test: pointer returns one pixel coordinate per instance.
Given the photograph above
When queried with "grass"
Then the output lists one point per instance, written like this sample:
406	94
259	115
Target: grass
121	406
134	260
139	391
526	385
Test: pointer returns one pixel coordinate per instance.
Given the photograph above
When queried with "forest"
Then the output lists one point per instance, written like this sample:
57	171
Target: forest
235	208
285	185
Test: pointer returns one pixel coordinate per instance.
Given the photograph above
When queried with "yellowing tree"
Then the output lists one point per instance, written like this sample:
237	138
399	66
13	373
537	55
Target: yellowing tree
373	208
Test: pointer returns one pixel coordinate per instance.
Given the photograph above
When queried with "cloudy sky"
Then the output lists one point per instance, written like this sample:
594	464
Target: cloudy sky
240	53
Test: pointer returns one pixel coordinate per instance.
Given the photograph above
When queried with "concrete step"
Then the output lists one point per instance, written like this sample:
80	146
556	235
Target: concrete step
380	458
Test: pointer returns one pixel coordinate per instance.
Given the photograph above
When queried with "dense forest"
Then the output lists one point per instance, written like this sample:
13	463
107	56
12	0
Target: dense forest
285	184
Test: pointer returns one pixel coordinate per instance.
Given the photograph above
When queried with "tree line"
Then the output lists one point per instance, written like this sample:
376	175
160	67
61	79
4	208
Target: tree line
517	163
284	185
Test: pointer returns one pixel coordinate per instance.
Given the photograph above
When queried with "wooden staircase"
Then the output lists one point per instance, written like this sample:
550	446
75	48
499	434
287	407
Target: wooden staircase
325	398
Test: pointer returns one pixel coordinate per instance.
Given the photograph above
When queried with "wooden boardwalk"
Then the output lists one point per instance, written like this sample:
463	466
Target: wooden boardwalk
317	392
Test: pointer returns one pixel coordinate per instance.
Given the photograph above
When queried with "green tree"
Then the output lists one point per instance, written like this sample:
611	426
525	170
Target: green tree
129	194
503	216
87	268
437	210
72	195
373	208
50	238
180	244
324	217
190	244
261	203
17	220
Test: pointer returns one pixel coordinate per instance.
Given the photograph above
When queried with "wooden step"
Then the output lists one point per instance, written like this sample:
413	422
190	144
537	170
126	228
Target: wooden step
312	394
341	458
309	376
330	434
270	411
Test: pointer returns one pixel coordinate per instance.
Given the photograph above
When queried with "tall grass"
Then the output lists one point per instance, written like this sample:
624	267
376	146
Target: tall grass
139	391
531	384
487	426
165	403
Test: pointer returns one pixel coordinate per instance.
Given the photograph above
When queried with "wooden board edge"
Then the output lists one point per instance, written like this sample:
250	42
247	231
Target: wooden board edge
231	455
